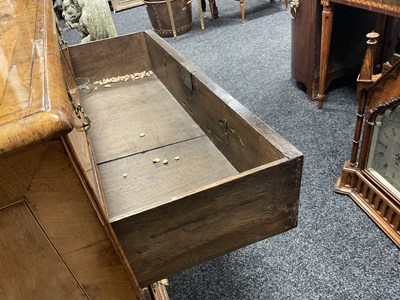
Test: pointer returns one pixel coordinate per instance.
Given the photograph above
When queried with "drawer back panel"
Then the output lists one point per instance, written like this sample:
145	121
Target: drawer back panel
110	57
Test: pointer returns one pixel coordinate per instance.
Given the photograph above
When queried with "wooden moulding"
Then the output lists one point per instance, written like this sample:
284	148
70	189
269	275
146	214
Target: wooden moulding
208	221
373	201
388	7
34	105
378	202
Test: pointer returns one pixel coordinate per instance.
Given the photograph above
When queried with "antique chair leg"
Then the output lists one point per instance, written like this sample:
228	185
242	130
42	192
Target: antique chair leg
199	3
242	9
211	4
326	31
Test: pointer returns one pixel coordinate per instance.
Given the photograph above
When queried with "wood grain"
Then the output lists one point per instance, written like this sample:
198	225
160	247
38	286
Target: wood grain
158	291
30	267
61	205
81	149
103	218
306	40
148	185
60	244
11	10
101	274
229	125
16	173
381	7
212	221
389	7
34	105
166	217
143	106
77	140
110	57
385	88
378	94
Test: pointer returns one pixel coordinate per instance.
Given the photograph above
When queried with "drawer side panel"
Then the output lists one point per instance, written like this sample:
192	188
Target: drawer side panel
223	119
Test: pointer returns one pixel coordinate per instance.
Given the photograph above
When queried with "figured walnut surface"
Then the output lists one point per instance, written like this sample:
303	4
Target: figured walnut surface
389	7
34	105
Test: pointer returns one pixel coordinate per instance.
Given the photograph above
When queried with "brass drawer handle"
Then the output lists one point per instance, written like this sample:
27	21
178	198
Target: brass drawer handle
294	6
79	113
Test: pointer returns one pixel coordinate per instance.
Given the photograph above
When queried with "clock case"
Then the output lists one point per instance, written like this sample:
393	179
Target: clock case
376	94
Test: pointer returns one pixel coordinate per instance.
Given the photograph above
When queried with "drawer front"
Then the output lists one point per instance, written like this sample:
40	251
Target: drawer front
211	222
79	144
30	266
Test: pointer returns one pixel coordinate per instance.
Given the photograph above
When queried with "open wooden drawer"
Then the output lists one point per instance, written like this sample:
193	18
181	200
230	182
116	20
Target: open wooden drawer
236	180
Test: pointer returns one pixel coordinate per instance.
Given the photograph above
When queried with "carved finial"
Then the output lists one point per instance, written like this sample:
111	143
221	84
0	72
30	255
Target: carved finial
367	67
372	38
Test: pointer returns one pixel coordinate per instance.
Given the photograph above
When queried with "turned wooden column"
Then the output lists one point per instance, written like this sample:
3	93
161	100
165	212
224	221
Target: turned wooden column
242	9
327	21
365	80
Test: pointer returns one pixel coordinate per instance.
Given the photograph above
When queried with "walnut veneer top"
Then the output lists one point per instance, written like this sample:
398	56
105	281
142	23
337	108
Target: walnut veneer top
389	7
34	104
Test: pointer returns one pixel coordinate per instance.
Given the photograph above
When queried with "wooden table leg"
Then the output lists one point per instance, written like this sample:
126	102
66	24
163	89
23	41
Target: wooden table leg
242	9
211	5
327	21
201	14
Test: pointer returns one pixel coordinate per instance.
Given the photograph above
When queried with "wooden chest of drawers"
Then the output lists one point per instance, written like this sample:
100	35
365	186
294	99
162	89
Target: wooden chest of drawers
82	217
55	239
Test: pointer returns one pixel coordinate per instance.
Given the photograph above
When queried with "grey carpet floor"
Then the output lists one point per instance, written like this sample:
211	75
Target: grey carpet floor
336	252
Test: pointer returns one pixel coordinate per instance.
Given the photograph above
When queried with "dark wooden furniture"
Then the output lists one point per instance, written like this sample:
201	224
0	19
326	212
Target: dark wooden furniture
372	175
75	219
214	9
387	7
236	181
306	41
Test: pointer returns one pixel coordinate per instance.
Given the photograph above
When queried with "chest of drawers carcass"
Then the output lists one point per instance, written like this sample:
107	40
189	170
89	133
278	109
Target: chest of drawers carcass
55	238
93	214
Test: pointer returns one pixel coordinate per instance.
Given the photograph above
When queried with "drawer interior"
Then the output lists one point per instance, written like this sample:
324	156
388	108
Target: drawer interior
120	115
236	180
